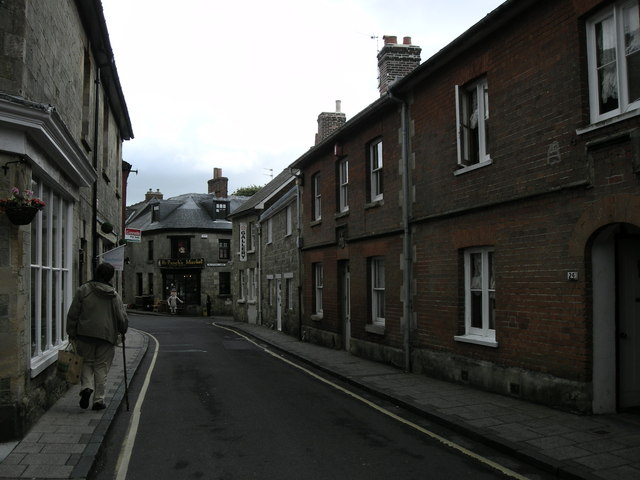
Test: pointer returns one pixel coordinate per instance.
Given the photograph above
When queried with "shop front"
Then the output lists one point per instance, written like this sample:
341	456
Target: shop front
183	276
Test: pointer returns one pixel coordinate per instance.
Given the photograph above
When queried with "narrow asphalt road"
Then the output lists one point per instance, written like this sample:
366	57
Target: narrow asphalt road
217	406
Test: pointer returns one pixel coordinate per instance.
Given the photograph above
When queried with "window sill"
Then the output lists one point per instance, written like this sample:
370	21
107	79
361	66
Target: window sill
316	317
241	301
477	340
374	204
341	214
375	329
316	222
41	363
609	121
473	167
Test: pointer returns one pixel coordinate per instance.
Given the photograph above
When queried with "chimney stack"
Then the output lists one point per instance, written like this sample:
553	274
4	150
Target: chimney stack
218	185
395	61
151	194
329	122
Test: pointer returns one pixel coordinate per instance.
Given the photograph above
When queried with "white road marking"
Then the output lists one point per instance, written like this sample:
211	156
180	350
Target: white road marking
423	430
127	445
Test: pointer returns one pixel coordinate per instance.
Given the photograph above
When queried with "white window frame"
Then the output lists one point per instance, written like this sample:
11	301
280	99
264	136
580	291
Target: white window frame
252	238
270	290
318	281
269	230
242	284
317	198
289	220
252	286
615	12
343	185
485	286
375	171
466	119
289	287
377	291
51	276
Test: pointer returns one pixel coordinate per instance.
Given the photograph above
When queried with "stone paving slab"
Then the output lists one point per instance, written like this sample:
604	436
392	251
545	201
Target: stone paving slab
65	441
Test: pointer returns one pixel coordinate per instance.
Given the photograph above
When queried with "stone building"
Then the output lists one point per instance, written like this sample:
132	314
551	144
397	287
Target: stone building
63	119
265	270
480	222
185	245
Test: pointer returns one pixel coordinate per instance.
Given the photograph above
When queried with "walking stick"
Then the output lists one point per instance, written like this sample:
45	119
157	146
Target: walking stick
124	366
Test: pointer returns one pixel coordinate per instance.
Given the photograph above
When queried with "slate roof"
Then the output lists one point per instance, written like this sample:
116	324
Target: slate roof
257	200
190	211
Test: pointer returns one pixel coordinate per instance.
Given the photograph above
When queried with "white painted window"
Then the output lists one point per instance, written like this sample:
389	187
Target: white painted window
252	237
289	293
270	230
317	198
375	171
343	185
318	280
289	220
377	290
480	297
51	279
613	53
472	116
252	285
242	285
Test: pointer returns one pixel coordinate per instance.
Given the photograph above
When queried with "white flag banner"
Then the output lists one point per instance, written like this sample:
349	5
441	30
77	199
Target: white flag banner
115	257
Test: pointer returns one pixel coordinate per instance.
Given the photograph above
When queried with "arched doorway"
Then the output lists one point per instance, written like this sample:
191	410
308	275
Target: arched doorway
615	259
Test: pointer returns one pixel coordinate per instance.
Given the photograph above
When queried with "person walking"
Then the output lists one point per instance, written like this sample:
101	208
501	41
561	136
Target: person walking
95	318
172	301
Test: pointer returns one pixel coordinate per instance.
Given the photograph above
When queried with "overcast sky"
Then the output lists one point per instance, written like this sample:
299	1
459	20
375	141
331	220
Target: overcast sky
240	85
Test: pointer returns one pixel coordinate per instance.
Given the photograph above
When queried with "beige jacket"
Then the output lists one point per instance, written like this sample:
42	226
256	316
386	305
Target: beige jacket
97	311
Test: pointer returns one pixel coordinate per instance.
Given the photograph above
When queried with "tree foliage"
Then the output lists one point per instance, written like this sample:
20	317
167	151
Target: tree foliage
247	191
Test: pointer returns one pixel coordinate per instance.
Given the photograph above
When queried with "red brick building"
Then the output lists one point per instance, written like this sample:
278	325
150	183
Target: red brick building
480	222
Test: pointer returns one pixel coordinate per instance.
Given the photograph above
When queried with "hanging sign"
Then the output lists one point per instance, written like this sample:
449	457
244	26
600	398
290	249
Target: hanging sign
132	234
243	242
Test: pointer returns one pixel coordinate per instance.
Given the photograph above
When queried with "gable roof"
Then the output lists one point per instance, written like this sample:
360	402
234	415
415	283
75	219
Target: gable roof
266	193
495	20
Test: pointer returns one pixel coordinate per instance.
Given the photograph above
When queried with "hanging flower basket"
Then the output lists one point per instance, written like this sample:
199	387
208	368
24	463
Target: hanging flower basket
21	215
21	207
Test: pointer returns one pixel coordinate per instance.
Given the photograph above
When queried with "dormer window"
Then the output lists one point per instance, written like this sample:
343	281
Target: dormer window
221	210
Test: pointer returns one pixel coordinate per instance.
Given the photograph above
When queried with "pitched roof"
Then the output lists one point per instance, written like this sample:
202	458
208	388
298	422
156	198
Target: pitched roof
190	211
266	193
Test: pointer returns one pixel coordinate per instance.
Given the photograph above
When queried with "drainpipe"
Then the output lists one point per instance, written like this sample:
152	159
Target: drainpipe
299	254
94	219
258	277
407	307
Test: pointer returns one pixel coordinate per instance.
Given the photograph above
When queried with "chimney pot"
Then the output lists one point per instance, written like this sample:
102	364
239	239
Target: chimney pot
395	61
151	194
218	185
329	122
